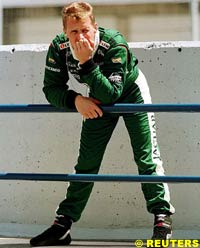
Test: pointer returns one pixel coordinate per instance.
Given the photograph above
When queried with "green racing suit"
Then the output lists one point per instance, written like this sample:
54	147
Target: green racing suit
112	76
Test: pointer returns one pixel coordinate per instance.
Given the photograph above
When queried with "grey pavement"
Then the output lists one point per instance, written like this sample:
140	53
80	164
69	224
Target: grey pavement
23	243
79	233
14	235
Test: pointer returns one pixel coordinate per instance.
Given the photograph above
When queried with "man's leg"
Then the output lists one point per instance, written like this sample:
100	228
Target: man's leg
142	132
95	135
141	128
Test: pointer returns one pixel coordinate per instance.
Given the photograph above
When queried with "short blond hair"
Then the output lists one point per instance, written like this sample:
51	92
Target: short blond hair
78	11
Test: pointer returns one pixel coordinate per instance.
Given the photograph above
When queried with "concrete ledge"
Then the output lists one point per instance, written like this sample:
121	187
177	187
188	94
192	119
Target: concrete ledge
145	45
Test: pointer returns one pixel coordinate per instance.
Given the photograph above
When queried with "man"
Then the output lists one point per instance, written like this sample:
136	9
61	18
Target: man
101	59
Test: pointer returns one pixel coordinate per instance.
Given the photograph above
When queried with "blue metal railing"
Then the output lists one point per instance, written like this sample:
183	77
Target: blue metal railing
98	178
116	108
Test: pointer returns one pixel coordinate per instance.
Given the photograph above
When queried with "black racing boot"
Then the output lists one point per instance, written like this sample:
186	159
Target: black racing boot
57	234
162	227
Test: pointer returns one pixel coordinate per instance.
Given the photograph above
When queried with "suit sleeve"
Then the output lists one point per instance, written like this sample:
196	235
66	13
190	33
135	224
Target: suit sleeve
106	84
56	76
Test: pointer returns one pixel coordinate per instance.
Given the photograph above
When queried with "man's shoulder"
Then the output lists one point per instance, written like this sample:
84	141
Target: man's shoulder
108	33
60	42
112	36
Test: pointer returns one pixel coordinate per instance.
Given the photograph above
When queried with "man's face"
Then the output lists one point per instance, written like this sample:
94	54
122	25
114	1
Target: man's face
79	29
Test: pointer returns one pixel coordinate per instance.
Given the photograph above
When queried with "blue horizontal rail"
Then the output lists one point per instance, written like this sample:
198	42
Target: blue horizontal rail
98	178
116	108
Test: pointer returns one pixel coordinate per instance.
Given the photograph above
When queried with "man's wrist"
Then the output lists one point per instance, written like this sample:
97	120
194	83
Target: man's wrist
88	66
81	62
77	98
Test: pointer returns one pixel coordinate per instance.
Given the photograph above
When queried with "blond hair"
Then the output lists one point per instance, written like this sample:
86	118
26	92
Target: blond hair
78	11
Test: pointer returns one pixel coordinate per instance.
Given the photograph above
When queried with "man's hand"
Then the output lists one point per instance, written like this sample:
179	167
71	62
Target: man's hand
87	107
83	50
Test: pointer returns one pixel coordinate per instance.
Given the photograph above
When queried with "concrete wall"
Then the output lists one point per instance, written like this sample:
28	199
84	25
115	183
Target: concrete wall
42	142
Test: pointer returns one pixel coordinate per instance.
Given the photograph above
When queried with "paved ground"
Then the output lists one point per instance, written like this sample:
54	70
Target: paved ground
23	243
6	242
11	236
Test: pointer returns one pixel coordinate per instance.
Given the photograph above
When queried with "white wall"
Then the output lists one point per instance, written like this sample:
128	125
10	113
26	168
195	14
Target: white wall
49	142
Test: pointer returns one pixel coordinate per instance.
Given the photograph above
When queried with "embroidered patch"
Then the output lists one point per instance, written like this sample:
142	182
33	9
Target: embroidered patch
104	44
116	60
115	78
52	69
52	61
63	45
